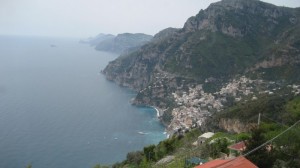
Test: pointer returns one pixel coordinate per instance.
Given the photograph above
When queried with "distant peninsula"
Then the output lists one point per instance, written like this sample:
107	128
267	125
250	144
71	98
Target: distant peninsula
120	44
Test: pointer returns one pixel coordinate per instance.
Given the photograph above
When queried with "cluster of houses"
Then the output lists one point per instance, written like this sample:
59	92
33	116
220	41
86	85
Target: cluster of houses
194	105
295	89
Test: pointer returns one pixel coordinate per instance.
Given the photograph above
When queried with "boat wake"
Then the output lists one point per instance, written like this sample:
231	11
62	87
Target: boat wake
142	133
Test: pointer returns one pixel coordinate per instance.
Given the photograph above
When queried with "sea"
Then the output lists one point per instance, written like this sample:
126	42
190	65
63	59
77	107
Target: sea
58	111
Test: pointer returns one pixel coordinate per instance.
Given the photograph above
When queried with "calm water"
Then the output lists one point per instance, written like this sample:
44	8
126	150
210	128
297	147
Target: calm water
57	111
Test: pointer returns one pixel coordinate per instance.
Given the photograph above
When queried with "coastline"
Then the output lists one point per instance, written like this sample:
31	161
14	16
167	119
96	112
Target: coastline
158	113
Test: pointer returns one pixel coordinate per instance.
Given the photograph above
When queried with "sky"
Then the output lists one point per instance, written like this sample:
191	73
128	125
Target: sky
87	18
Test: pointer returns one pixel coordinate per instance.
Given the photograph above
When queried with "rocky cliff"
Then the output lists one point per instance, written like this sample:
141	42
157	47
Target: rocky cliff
235	125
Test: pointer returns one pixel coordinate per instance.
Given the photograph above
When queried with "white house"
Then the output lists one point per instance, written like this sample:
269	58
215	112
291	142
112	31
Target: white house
202	138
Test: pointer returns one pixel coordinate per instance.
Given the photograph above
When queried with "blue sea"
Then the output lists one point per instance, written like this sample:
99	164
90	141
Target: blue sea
58	111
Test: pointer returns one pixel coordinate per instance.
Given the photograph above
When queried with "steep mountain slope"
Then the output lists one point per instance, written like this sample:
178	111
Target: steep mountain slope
230	38
123	42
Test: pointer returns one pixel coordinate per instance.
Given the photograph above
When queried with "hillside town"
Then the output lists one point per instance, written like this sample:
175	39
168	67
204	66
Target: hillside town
195	105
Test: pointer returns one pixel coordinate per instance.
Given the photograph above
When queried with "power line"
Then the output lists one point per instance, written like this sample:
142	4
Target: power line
262	145
274	120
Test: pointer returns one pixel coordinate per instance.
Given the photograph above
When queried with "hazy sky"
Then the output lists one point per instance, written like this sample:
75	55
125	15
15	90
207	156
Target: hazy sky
84	18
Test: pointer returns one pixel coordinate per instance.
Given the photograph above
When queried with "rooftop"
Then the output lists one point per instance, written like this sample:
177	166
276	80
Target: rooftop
207	135
239	162
240	146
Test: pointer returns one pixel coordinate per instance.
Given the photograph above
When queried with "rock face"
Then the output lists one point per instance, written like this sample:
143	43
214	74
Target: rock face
165	160
123	43
229	38
213	17
235	125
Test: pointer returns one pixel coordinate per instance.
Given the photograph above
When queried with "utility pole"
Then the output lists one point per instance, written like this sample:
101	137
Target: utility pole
258	122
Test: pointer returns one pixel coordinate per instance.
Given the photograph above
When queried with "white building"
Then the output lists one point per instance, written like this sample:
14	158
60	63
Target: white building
202	138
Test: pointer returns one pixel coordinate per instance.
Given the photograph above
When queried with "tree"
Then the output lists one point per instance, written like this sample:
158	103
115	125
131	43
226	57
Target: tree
149	152
263	157
144	163
135	157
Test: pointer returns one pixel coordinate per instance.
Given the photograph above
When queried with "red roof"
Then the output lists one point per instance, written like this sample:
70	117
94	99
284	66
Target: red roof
239	162
240	146
212	163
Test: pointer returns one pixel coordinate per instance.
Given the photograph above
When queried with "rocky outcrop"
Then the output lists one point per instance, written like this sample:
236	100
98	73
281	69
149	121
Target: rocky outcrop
164	34
133	70
165	160
235	125
214	17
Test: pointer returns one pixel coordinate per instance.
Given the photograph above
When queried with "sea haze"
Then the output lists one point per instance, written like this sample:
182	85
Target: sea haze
57	110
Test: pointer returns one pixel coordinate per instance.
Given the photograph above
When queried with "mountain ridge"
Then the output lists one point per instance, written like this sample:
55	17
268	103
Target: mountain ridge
229	39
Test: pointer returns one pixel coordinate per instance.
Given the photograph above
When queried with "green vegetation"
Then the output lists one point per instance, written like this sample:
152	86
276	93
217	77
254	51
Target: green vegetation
293	107
153	153
289	73
218	55
212	87
270	106
278	113
231	137
221	55
282	152
182	149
